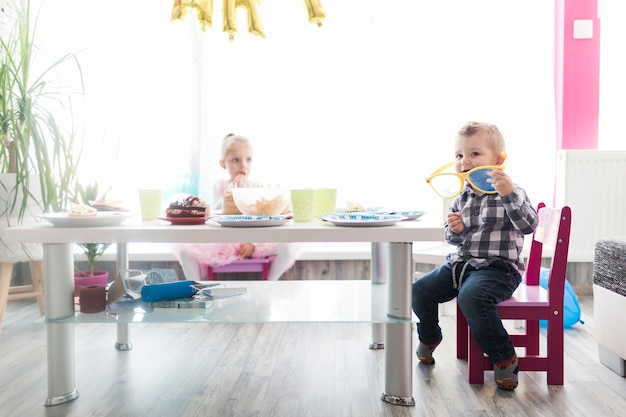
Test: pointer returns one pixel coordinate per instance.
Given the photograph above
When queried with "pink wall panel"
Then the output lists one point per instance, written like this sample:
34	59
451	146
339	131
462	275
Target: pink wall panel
577	75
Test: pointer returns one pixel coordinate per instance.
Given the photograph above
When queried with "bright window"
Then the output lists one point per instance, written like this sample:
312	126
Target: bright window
369	103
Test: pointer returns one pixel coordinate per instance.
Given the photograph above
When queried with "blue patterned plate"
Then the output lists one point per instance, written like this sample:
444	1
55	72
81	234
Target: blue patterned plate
363	219
244	220
409	214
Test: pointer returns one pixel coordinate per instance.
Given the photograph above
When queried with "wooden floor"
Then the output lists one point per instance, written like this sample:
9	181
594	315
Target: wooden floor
294	370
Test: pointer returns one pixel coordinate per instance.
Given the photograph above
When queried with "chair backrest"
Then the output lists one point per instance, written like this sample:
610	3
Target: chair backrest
550	239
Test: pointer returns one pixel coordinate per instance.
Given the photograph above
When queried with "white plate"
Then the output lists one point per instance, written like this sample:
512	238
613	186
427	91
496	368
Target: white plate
108	218
363	219
242	220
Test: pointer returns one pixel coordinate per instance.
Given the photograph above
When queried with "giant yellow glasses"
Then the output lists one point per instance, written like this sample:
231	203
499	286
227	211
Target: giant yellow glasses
450	184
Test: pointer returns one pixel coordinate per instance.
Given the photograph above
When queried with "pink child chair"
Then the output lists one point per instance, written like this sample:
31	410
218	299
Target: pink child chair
531	303
242	265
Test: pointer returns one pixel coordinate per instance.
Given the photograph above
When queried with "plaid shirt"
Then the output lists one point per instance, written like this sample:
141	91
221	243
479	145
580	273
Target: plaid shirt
494	227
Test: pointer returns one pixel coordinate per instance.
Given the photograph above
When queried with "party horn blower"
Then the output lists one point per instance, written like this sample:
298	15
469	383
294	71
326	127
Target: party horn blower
167	291
316	11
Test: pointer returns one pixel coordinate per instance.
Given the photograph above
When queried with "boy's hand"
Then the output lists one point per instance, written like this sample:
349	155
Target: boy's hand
455	223
246	250
502	182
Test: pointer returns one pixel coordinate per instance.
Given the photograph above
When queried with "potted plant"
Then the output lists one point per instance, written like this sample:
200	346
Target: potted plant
91	276
92	251
38	154
38	162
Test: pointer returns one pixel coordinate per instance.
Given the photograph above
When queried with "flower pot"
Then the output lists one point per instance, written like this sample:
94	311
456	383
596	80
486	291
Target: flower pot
85	279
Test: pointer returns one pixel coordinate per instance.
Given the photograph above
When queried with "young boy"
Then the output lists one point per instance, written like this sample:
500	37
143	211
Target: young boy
488	230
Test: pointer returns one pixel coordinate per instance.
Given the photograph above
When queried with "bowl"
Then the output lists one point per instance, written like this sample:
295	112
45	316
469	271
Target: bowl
135	279
258	201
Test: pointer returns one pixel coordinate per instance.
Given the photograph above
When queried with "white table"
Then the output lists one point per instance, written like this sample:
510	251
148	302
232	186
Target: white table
395	262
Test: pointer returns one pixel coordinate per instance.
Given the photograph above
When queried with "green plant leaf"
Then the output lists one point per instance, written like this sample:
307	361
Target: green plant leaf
32	140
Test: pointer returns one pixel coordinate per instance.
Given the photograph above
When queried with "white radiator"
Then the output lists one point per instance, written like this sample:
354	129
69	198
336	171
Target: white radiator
593	184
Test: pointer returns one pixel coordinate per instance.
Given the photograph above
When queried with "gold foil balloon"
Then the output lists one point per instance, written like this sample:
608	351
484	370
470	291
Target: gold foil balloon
316	11
180	9
230	18
229	10
254	21
204	11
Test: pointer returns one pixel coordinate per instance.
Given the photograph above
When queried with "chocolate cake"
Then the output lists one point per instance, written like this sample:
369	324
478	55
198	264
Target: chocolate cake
191	206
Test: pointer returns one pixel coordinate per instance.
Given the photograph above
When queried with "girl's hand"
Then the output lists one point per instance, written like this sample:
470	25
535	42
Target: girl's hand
246	250
239	180
455	223
502	182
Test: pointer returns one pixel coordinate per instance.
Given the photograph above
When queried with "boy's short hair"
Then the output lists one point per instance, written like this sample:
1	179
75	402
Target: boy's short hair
488	131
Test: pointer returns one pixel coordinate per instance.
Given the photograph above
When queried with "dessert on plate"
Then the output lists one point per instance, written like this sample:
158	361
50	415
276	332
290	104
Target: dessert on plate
352	207
107	205
82	210
189	207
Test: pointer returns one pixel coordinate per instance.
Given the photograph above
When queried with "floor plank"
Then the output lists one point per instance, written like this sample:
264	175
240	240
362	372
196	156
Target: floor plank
255	370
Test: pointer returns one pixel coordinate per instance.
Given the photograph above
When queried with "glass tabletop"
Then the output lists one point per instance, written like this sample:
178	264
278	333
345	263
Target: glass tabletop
263	302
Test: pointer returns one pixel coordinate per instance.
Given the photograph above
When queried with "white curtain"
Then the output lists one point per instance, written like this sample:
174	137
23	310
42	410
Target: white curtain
140	112
369	103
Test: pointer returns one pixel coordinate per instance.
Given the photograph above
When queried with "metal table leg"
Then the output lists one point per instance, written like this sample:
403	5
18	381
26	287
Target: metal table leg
398	355
379	269
123	335
59	294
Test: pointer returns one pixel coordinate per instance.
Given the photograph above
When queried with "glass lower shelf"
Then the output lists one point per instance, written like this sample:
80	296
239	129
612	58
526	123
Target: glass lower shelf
265	302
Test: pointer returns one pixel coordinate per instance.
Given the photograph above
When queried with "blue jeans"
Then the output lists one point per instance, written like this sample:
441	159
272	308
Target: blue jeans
480	291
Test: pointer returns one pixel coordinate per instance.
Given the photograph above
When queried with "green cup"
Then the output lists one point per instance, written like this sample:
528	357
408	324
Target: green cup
325	201
303	204
151	203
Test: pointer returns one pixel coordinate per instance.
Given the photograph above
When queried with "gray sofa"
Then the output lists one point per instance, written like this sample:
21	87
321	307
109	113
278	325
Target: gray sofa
609	302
